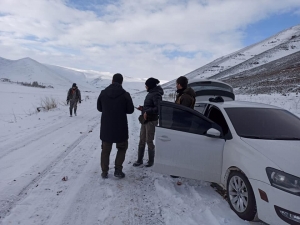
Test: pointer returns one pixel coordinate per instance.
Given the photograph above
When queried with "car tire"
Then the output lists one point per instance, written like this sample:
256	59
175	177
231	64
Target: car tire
240	196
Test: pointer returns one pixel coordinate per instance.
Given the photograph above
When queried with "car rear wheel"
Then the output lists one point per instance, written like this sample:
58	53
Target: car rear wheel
240	196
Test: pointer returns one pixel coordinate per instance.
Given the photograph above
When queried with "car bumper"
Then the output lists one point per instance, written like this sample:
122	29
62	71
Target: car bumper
281	208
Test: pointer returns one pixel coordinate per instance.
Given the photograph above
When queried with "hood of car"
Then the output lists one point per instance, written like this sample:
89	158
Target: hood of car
284	153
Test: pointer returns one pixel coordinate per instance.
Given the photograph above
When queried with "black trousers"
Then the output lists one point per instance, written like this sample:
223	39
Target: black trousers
120	157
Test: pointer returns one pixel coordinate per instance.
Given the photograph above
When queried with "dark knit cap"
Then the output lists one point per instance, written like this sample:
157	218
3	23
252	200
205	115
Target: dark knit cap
151	83
74	85
183	81
118	78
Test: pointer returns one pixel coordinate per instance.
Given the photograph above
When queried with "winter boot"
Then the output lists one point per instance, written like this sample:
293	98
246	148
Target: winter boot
75	112
151	154
119	174
104	175
70	112
139	162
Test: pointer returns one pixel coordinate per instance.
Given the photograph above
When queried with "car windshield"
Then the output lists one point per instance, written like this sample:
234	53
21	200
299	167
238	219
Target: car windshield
265	123
209	85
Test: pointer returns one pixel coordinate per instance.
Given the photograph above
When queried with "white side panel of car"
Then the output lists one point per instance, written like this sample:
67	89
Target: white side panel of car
188	155
247	159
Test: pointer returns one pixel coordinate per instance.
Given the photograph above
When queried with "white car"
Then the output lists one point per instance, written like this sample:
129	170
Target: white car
252	150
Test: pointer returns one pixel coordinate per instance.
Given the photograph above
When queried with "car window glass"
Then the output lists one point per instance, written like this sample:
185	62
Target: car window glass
265	123
181	120
200	107
217	116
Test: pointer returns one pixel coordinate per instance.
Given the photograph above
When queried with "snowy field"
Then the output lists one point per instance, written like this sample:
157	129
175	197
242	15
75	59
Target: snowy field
39	149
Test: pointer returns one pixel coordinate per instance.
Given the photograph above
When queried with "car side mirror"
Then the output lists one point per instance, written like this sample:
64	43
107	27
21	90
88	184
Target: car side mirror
212	132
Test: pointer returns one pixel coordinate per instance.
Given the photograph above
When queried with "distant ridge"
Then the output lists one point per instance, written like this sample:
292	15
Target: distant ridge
29	70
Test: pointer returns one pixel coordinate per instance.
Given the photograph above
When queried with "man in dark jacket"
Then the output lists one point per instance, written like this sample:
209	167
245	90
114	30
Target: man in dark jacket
73	97
150	120
114	103
185	95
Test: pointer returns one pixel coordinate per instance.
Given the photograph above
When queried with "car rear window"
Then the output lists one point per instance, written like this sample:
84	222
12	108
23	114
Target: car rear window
261	123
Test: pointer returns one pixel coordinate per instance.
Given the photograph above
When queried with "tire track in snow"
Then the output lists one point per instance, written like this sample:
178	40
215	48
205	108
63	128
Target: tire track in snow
11	147
83	198
9	204
146	207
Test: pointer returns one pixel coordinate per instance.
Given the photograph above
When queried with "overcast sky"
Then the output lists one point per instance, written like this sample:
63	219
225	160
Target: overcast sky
138	38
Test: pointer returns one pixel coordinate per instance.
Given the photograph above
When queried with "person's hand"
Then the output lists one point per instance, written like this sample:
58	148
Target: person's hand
67	102
140	108
145	116
79	101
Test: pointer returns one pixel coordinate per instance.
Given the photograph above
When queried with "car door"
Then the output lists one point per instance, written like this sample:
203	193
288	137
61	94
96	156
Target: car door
182	146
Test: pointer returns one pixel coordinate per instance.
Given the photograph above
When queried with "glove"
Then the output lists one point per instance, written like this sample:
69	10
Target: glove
67	102
140	107
79	101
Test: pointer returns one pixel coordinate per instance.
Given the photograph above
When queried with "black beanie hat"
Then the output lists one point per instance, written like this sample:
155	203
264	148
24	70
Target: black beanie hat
118	78
74	85
151	83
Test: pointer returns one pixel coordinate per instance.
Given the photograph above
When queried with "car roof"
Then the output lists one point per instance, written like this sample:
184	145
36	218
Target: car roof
241	104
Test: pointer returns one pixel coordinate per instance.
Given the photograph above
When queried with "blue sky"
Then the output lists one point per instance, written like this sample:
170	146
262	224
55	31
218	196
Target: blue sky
141	38
270	26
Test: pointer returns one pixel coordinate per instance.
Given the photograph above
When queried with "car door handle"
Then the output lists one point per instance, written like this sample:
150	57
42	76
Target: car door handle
164	138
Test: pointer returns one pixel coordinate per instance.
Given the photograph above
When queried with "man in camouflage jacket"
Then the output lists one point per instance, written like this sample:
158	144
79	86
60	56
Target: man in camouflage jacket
185	95
73	97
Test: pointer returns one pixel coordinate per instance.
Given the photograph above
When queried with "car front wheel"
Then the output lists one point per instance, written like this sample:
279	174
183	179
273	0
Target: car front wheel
240	196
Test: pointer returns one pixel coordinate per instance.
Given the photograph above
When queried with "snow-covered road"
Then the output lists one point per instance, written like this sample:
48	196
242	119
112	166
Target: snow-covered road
38	150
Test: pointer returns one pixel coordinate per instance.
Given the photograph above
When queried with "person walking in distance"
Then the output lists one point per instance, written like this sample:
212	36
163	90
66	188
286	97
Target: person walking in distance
149	120
114	103
74	96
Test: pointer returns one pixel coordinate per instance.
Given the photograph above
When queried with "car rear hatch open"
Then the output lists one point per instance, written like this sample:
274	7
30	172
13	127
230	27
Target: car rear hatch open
206	89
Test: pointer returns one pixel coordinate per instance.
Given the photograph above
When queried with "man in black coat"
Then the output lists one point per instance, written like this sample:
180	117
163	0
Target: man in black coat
114	103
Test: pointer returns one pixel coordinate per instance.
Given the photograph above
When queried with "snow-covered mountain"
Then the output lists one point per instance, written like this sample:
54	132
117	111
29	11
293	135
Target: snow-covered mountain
278	47
279	76
91	77
29	70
